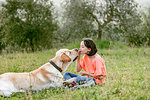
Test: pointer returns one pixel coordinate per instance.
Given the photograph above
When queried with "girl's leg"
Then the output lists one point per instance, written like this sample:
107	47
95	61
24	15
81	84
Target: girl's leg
89	83
82	79
69	79
68	75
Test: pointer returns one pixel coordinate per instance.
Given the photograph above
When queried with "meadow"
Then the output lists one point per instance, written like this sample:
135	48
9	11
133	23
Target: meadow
128	72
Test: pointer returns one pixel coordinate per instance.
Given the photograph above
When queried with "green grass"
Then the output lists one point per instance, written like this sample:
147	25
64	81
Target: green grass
128	72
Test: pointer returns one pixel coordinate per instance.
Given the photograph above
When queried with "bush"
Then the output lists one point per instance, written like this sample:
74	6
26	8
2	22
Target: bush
102	44
140	36
136	39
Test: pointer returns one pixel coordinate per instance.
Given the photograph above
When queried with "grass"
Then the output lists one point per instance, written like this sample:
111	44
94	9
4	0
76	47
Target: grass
128	72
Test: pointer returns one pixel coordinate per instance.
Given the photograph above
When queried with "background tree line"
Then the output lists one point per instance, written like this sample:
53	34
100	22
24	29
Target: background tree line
33	25
27	24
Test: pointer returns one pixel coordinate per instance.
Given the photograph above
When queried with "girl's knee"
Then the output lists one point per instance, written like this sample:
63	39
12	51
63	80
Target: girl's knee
67	76
66	73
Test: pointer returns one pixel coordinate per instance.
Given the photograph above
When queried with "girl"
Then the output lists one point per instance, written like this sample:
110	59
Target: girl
91	62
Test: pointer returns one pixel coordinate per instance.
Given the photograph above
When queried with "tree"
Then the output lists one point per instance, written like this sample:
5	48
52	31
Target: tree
28	24
1	41
2	44
76	23
146	28
100	12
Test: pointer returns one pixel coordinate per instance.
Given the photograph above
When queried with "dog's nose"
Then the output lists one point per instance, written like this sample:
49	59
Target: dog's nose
76	49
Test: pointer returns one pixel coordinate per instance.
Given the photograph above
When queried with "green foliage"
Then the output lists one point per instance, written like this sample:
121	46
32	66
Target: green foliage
28	24
126	28
76	22
75	44
146	28
136	39
103	44
1	40
2	44
140	35
107	44
108	17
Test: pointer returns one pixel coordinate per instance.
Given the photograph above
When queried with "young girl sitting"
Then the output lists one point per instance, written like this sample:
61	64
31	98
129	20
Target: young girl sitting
93	65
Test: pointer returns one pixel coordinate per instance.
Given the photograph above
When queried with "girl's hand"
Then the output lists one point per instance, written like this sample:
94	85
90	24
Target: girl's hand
88	74
78	67
79	53
83	73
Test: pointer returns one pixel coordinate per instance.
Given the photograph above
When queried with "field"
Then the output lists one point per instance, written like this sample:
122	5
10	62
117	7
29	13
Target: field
128	72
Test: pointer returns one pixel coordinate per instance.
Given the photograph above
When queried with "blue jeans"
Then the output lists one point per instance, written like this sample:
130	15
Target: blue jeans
79	79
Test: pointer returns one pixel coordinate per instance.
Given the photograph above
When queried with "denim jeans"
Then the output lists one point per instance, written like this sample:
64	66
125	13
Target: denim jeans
79	79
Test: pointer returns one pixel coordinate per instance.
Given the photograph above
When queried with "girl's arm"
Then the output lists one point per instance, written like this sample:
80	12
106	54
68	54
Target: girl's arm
78	67
91	75
86	73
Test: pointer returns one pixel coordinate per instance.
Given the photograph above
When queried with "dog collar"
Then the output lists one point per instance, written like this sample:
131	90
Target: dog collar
75	58
51	62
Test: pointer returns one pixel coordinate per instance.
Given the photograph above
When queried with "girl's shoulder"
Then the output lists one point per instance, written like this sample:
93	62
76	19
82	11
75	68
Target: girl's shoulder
99	58
95	58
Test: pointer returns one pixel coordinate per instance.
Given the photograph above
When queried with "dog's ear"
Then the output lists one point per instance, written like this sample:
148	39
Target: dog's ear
65	58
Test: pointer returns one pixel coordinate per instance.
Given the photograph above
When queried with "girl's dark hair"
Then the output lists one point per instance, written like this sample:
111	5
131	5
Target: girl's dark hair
89	43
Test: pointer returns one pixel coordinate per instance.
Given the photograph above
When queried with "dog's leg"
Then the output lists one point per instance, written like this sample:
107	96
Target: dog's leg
6	88
5	93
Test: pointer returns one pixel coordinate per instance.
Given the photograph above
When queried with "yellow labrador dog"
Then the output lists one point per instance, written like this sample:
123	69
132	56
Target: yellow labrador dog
48	75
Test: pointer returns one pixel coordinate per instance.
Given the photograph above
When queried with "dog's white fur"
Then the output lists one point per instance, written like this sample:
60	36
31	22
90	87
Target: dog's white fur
42	78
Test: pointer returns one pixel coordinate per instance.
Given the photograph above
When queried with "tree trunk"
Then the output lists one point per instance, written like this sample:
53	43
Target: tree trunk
99	33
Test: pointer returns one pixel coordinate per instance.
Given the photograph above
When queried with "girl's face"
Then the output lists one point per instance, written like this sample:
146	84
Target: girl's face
84	49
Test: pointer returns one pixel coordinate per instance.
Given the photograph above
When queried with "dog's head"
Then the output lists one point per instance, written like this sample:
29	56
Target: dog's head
67	57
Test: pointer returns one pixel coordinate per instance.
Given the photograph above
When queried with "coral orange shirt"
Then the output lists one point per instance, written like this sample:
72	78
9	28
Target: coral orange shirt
94	66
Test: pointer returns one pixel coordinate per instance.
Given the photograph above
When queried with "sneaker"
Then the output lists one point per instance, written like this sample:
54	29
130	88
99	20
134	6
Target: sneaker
69	85
73	84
